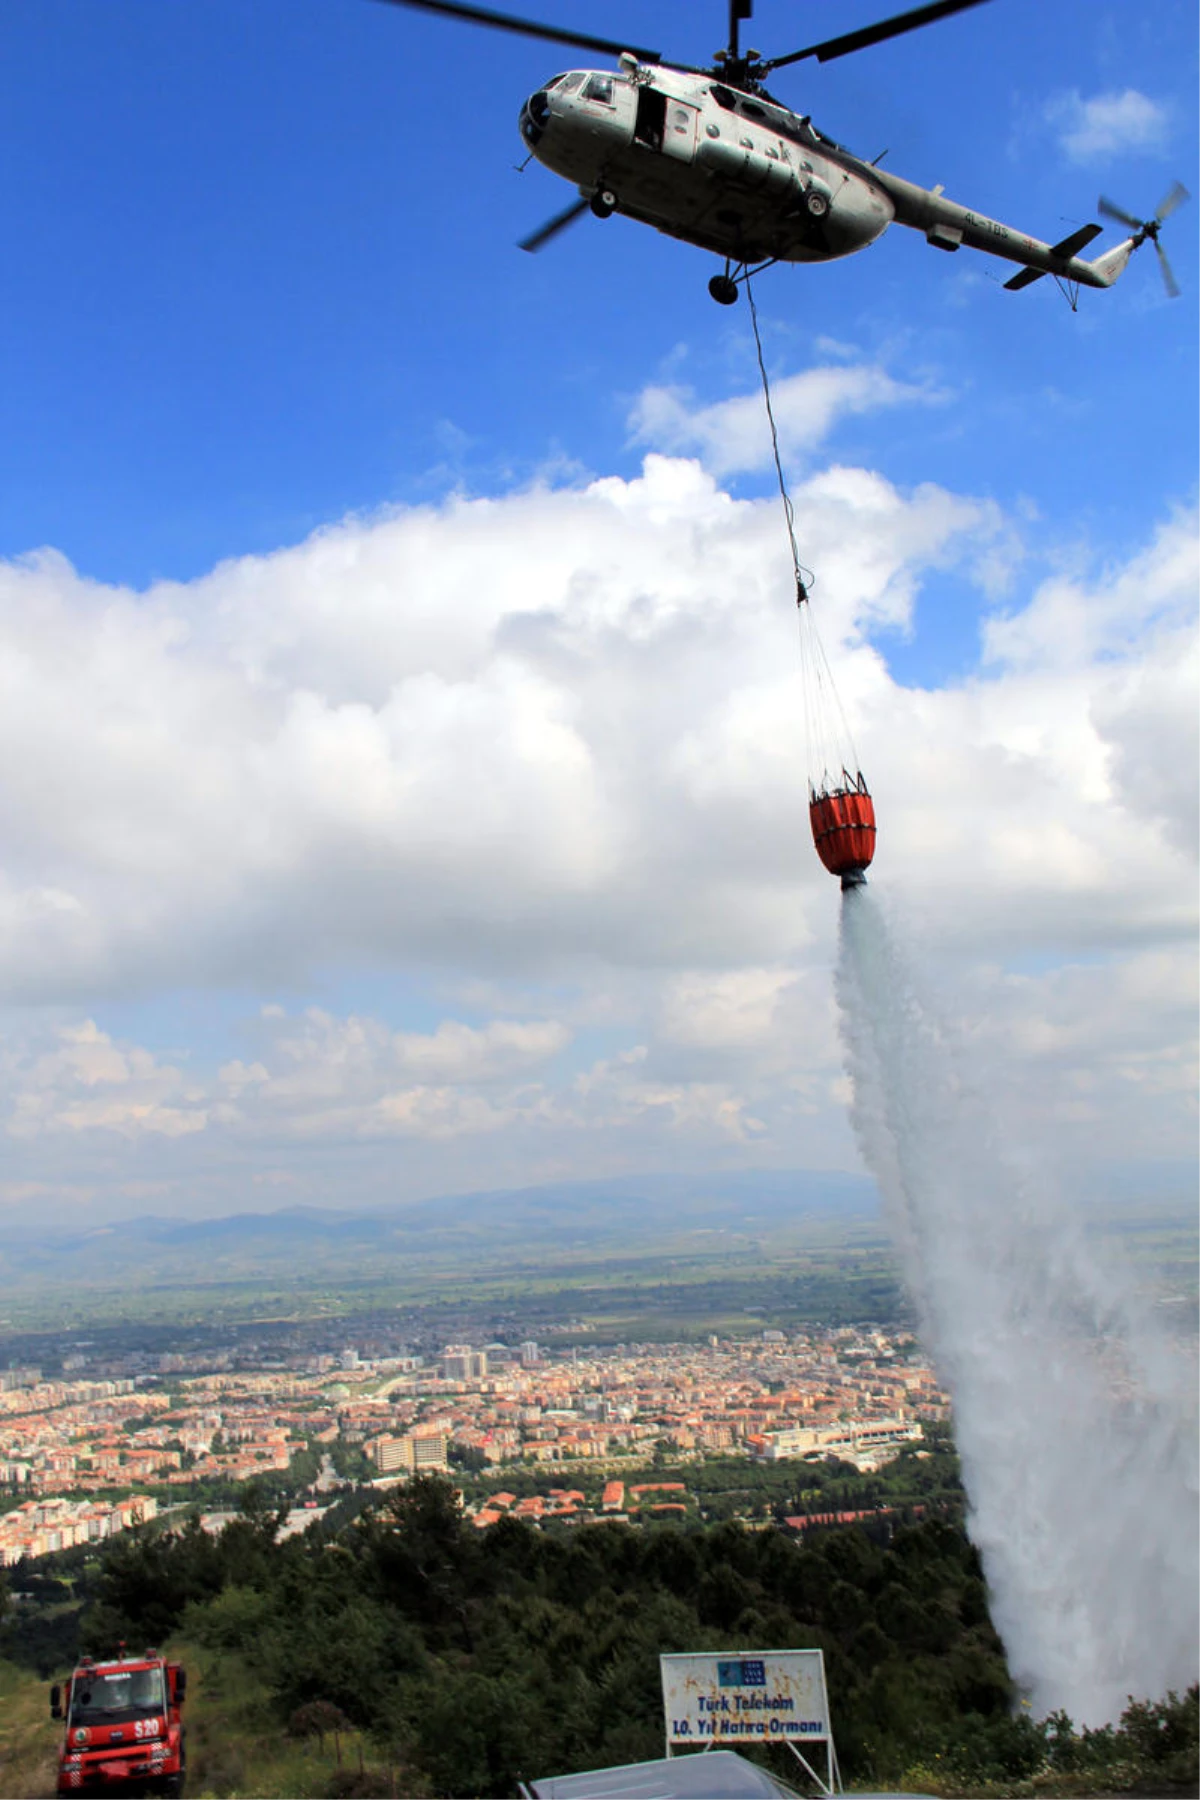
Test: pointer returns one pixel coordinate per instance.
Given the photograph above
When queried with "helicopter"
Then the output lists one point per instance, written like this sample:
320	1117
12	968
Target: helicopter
710	157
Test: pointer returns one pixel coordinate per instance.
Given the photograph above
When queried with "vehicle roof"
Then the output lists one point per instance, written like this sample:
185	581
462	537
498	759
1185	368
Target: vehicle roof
714	1775
98	1664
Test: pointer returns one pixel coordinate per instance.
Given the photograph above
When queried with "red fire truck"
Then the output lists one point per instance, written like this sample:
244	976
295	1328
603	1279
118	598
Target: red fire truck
123	1726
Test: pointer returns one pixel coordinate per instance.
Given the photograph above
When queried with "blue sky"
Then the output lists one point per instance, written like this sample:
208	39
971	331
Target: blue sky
261	285
262	267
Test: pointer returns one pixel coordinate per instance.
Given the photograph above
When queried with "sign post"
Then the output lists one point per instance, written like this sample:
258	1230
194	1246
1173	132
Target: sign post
722	1699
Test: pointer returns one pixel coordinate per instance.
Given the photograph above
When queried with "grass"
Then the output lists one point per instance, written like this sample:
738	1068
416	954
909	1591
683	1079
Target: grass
29	1737
1076	1784
236	1746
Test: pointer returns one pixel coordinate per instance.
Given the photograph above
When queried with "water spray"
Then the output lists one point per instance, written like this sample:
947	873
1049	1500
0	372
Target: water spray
1073	1420
1072	1413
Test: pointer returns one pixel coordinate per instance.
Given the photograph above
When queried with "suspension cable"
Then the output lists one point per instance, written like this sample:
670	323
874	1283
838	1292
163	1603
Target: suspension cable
804	577
821	698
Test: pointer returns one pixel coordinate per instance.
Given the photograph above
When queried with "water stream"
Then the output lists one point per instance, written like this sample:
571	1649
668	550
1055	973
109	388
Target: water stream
1073	1413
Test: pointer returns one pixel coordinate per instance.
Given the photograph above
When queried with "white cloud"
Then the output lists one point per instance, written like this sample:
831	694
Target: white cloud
319	1074
503	730
1097	1055
323	1079
732	435
1107	126
732	1008
1074	621
89	1083
546	750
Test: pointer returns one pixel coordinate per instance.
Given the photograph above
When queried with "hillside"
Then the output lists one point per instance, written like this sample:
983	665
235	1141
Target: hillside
560	1220
235	1745
454	1661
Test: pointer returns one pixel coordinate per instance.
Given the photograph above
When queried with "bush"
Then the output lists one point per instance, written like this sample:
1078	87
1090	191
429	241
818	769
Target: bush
315	1718
351	1783
234	1619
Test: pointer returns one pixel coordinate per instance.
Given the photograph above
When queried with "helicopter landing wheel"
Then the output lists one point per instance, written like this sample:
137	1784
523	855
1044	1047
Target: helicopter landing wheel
723	290
603	203
816	203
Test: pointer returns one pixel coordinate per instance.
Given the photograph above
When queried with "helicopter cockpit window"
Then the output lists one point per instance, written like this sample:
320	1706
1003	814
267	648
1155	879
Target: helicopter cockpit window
568	83
599	87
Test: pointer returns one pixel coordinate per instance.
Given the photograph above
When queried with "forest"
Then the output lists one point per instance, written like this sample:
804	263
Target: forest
468	1661
492	1656
477	1658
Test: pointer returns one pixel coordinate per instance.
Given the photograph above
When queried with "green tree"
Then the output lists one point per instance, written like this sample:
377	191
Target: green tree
421	1559
146	1583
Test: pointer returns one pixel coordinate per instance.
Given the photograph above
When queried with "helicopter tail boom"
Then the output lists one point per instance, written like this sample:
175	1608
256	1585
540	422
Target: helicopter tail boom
947	226
1113	263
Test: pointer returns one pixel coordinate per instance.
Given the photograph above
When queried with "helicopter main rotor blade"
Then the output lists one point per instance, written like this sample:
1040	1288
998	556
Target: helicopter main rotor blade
553	226
484	15
1170	201
874	34
1168	273
1111	210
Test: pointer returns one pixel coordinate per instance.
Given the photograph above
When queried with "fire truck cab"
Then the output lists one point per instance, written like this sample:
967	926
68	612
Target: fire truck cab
123	1726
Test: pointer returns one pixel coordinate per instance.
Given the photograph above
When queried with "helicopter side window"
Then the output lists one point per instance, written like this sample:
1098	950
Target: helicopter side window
787	124
600	88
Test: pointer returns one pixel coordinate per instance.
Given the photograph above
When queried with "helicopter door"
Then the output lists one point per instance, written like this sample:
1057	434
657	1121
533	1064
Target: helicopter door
679	140
651	118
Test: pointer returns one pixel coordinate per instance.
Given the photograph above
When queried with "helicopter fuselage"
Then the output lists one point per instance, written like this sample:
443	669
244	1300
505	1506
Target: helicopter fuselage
731	172
734	172
710	157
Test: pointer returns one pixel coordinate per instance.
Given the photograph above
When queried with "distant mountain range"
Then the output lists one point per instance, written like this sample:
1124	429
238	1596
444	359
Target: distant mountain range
561	1222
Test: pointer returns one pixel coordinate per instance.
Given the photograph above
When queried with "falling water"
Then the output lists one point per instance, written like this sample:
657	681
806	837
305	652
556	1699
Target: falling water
1076	1435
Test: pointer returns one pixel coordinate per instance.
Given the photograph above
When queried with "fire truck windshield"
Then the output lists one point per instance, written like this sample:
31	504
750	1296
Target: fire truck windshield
110	1695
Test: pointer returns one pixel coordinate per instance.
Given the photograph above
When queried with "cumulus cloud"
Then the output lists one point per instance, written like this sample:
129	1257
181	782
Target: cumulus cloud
1072	622
1091	1064
491	732
731	1007
732	435
318	1075
1105	126
319	1079
89	1083
544	753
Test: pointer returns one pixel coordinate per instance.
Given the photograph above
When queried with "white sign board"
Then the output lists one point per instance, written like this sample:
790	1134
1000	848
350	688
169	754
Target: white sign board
745	1696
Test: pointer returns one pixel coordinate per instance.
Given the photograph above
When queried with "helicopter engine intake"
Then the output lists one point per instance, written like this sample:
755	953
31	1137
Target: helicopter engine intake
534	115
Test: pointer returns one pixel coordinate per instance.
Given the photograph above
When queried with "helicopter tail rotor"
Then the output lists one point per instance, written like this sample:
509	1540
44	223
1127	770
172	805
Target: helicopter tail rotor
1149	228
1167	272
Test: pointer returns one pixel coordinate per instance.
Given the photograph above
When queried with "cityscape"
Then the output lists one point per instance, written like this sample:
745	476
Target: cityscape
102	1448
